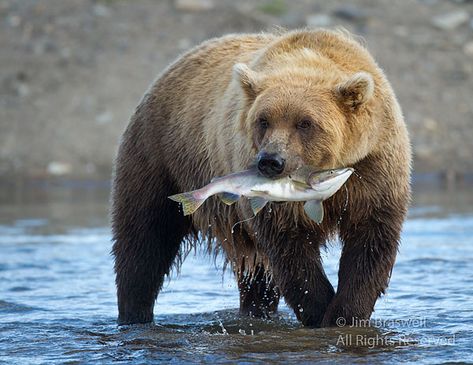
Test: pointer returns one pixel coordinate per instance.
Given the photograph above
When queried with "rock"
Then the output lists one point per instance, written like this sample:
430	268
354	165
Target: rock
14	21
423	151
351	13
22	76
401	31
430	124
23	90
44	45
450	21
292	19
468	49
65	53
101	10
90	168
274	7
471	23
104	118
58	168
194	5
318	20
184	43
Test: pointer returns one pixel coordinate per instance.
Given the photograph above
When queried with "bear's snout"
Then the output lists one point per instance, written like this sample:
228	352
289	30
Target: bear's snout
270	164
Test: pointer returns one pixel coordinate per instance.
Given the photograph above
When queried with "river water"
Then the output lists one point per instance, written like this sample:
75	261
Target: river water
57	295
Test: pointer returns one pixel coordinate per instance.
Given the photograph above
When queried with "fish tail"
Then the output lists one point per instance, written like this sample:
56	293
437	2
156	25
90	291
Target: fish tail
188	201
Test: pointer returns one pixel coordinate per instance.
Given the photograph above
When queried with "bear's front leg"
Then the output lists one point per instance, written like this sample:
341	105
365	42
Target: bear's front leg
369	251
258	296
298	273
147	231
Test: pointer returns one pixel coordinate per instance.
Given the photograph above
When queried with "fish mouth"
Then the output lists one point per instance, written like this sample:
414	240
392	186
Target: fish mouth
335	173
343	171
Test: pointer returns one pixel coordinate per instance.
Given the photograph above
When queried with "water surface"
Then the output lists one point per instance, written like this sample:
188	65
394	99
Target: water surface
57	295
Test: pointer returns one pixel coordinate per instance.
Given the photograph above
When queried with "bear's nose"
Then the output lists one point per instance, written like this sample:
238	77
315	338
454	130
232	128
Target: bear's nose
270	164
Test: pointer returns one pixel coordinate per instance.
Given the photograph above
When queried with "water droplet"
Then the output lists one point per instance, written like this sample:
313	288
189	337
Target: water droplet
301	310
306	292
224	331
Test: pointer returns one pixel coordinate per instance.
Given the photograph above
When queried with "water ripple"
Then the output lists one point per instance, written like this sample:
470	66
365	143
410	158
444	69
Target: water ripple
58	303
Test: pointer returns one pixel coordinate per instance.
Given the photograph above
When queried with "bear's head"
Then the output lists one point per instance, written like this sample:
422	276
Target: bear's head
316	115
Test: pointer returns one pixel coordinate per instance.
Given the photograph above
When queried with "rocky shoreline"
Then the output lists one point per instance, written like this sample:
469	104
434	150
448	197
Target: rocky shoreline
71	72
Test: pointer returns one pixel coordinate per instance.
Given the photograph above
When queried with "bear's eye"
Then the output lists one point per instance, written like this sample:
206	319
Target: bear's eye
304	124
263	123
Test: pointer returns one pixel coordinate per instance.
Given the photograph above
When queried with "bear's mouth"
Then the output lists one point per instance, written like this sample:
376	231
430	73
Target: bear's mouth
282	175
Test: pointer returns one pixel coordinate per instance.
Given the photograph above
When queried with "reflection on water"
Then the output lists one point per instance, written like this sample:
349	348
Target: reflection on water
57	296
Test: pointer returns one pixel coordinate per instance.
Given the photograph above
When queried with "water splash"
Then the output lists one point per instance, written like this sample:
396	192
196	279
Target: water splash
357	174
224	330
242	221
79	326
344	207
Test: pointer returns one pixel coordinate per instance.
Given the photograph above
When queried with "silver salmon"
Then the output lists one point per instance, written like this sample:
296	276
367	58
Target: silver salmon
311	187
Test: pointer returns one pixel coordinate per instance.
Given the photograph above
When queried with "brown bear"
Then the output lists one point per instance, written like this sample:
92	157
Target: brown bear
276	101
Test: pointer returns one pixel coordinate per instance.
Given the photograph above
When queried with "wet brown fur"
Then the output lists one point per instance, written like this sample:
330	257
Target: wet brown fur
198	121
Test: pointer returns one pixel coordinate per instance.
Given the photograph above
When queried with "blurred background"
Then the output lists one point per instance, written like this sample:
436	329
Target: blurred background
71	74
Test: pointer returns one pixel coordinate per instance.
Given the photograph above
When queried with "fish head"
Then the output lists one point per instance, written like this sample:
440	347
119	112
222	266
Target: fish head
329	181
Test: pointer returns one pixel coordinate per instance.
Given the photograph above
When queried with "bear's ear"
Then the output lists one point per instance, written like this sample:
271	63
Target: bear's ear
355	91
247	78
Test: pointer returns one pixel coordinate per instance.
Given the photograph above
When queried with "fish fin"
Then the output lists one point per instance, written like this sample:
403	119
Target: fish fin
229	198
188	201
301	185
257	204
264	192
315	210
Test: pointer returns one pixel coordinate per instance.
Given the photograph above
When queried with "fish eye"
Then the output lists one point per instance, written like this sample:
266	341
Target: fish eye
304	124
